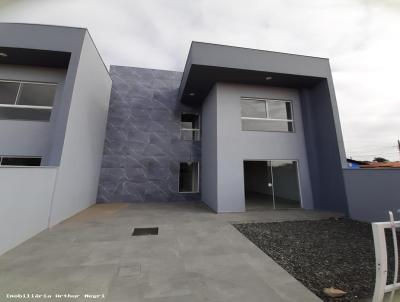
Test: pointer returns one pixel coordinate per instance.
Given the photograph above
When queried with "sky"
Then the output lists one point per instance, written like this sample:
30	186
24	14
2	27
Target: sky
361	38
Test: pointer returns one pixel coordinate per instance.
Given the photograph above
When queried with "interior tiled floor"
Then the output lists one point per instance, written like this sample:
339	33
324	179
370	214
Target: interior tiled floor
197	256
257	201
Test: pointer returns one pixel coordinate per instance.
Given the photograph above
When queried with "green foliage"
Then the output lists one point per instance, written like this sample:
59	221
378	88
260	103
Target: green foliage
380	160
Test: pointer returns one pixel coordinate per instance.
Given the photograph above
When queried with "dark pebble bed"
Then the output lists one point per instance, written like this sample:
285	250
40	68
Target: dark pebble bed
323	253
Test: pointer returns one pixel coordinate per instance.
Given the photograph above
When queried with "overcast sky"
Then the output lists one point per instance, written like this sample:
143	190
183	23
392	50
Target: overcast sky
360	37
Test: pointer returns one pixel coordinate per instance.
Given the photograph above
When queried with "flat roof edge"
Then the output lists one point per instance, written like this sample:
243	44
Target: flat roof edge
261	70
157	69
41	24
258	50
84	30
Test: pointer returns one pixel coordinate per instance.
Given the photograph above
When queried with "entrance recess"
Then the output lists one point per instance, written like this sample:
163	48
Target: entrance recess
271	184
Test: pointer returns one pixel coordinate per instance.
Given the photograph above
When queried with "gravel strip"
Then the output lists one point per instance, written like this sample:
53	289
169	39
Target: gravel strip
322	253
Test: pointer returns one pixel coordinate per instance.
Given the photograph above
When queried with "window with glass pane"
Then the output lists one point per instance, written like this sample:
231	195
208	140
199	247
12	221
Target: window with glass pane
267	125
279	110
33	94
26	100
190	126
267	115
254	108
189	177
8	92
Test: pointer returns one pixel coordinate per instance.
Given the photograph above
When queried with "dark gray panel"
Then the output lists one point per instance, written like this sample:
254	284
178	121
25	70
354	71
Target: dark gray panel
143	147
34	57
201	79
323	149
210	63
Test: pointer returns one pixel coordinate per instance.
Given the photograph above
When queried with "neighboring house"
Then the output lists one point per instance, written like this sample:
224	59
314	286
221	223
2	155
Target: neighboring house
382	165
357	164
237	129
53	114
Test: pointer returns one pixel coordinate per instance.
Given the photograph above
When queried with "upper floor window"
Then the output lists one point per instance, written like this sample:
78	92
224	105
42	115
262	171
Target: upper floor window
26	100
190	127
267	115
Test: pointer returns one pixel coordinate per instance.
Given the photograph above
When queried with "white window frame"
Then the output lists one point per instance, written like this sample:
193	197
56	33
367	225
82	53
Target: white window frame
198	177
16	105
267	118
197	130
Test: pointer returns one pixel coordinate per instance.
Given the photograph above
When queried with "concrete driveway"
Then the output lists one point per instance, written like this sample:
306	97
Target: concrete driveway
197	256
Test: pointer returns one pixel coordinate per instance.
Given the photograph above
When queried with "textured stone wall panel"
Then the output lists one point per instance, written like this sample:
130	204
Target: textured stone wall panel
143	147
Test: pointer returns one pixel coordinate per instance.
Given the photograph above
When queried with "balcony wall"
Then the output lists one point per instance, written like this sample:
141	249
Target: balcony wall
24	212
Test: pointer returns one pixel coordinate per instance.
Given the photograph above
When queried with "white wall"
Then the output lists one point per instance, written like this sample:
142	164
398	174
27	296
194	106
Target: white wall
24	138
24	212
81	158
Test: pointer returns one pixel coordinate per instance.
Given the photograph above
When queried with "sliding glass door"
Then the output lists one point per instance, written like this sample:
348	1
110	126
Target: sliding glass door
271	184
285	183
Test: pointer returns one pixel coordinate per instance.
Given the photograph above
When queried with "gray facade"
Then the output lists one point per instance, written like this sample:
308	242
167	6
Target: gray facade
209	64
235	146
129	148
143	147
69	139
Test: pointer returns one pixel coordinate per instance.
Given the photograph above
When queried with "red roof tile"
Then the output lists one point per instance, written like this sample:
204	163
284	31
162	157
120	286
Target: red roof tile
375	165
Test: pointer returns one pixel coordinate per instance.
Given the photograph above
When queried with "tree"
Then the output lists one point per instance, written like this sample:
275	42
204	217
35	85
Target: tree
380	160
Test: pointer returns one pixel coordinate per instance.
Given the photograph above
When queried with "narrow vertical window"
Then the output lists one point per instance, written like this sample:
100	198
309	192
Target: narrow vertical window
190	127
189	177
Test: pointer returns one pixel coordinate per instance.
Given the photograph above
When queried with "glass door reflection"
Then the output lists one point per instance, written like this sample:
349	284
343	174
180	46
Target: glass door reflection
285	184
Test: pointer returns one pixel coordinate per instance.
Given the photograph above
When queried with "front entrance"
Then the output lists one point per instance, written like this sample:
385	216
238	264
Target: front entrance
272	184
